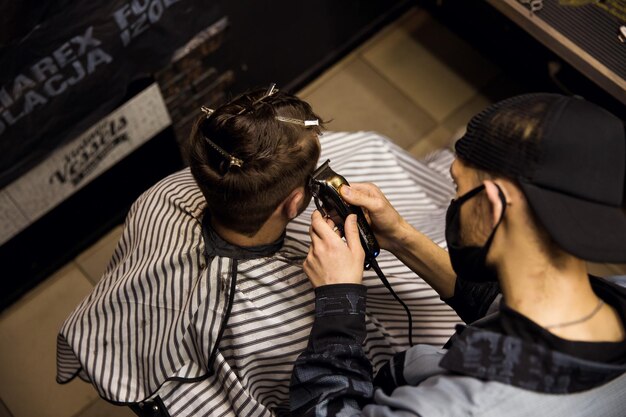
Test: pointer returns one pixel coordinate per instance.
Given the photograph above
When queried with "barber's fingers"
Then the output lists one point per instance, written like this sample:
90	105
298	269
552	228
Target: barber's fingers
316	217
351	232
322	227
335	228
364	195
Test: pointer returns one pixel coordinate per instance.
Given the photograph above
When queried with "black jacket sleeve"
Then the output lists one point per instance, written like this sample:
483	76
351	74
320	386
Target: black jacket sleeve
333	375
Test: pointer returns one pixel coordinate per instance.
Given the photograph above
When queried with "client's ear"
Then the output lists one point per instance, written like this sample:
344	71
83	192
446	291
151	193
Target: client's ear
293	202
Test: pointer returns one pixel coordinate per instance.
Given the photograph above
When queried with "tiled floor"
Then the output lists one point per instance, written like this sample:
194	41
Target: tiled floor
414	81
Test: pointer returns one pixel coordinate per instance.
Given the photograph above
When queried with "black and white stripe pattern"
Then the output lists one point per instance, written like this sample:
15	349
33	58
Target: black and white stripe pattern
150	325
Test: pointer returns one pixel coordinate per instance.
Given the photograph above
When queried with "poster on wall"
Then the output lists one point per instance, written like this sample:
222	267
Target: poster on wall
75	65
76	163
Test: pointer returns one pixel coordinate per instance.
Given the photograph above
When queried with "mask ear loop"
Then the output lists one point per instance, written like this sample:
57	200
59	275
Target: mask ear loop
469	194
504	204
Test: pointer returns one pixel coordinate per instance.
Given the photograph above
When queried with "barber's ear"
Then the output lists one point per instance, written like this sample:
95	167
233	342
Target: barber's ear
494	199
293	202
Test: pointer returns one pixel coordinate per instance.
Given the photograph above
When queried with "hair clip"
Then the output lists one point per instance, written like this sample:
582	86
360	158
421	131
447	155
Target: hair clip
231	159
206	110
235	161
271	90
305	123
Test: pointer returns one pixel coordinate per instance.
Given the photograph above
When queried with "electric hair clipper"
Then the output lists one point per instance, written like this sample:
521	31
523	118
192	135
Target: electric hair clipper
324	185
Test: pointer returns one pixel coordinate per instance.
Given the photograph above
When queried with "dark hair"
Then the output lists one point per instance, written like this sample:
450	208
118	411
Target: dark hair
501	139
504	138
277	156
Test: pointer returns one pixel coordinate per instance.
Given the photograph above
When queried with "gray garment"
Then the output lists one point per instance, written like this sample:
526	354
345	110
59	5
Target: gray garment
434	392
618	279
481	373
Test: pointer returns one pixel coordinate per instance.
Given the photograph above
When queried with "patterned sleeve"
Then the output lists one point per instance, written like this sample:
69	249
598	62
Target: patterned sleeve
333	376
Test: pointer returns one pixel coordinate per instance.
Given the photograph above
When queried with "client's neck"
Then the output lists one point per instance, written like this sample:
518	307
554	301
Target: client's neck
269	233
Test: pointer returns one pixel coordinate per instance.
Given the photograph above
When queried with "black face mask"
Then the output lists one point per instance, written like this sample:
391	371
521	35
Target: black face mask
469	262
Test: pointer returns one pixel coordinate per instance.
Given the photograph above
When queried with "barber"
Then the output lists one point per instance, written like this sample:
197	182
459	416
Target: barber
540	190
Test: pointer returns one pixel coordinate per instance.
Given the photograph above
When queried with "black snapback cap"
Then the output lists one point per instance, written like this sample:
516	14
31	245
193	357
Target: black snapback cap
569	158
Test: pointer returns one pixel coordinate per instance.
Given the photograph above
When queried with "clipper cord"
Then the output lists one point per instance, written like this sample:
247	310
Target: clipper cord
386	283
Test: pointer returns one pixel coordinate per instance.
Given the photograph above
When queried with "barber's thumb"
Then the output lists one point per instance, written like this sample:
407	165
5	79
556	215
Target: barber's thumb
351	195
351	232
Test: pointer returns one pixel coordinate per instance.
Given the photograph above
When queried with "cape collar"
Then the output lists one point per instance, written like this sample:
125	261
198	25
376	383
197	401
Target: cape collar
216	246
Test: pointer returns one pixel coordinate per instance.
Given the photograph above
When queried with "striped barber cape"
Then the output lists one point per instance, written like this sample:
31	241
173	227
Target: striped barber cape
214	330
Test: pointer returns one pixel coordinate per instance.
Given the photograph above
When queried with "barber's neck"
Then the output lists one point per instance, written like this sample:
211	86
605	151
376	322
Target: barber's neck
554	288
269	233
530	279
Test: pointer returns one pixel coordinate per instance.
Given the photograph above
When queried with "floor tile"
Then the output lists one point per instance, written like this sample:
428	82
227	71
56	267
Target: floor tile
497	89
310	88
462	115
28	331
102	408
501	87
357	98
432	66
438	138
413	13
95	259
451	50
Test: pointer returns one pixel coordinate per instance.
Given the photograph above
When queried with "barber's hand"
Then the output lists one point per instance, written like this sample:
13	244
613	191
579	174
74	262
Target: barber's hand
330	259
386	222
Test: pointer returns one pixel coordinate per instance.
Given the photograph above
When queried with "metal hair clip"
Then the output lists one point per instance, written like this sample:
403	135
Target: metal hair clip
231	159
206	110
235	161
305	123
271	90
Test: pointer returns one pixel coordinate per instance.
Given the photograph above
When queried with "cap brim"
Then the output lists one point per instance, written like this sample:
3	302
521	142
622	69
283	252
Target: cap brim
588	230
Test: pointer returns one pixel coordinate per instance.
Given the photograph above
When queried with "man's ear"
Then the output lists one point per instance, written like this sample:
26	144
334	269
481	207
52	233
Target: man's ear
293	202
494	199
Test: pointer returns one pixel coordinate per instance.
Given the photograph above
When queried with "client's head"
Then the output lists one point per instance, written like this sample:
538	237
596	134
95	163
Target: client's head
557	163
252	156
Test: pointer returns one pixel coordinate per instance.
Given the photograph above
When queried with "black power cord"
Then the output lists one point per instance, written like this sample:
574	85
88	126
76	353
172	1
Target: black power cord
386	283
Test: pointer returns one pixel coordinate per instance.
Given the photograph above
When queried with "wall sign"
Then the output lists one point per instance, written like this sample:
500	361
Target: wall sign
75	164
75	67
